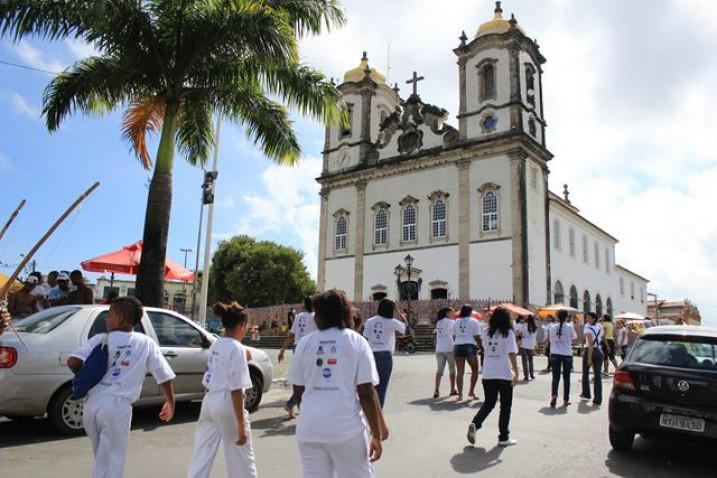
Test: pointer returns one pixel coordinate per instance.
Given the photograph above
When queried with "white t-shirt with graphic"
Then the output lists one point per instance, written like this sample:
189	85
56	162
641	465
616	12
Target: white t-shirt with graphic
466	329
497	350
131	356
227	368
444	335
303	325
330	364
527	338
381	333
561	344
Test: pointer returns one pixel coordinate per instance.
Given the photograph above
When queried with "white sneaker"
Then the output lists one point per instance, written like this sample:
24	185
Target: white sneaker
471	434
508	442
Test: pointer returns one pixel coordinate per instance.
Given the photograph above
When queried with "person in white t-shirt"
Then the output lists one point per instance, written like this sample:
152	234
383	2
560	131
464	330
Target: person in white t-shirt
445	341
107	412
380	331
40	291
467	331
527	333
622	338
561	336
302	326
334	373
223	419
500	374
593	358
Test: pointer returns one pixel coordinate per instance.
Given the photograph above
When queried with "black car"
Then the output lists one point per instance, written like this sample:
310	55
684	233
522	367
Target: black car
667	387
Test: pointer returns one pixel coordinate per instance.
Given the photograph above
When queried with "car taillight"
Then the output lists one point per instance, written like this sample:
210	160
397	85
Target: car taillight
8	357
623	379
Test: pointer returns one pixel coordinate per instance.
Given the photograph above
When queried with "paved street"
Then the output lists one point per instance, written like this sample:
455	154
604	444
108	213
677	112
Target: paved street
428	439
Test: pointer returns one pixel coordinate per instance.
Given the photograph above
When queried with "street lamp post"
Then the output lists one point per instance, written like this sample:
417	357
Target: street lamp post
185	250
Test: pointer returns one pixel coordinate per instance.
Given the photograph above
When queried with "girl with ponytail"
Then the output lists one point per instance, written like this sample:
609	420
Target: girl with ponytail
561	336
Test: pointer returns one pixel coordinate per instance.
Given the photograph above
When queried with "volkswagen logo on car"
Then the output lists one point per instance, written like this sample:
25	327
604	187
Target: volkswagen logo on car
683	386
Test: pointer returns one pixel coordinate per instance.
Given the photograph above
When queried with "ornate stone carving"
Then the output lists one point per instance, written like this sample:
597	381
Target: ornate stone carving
408	200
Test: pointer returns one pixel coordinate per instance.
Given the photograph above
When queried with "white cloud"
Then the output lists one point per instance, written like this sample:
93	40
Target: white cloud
23	106
629	99
36	58
286	210
225	202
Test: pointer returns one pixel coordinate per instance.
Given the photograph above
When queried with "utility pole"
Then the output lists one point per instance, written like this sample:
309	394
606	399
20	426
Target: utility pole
186	250
209	199
199	248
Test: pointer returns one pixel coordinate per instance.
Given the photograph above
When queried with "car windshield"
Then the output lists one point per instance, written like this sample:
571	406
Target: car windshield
45	321
683	352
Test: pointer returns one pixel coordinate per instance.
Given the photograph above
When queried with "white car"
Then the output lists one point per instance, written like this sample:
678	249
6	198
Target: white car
36	381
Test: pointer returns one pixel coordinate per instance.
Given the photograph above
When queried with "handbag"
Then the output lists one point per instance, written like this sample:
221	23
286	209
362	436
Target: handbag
92	371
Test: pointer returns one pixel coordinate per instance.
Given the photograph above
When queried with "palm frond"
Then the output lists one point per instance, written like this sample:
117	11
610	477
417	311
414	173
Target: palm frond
312	16
49	19
195	136
144	115
91	84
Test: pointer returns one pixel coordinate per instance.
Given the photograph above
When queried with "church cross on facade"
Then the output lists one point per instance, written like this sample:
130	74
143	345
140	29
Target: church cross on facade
414	81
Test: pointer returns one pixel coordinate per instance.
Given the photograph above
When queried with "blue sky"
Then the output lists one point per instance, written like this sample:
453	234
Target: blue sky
629	100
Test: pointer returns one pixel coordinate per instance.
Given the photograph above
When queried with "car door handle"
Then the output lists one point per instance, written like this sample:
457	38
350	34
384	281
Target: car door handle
170	354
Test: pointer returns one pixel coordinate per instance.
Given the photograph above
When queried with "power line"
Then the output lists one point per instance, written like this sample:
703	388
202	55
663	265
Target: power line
26	67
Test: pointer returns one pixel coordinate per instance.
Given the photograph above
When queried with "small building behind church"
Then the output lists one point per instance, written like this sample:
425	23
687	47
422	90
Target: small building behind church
471	205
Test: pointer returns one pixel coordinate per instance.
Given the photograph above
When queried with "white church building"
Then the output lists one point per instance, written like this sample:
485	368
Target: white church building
471	205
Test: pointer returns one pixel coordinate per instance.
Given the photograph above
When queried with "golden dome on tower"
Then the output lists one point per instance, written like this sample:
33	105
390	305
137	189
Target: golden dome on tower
357	74
498	25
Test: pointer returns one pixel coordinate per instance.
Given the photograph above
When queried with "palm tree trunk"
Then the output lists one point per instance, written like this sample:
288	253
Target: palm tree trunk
150	278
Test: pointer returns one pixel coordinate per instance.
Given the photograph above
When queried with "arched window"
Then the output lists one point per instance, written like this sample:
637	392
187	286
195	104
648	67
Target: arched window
409	223
530	83
439	293
558	295
381	228
586	302
438	227
490	211
487	76
608	306
557	238
573	297
341	233
532	129
598	305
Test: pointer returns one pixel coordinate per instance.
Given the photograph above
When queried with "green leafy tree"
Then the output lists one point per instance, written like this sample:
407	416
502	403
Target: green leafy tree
258	273
172	64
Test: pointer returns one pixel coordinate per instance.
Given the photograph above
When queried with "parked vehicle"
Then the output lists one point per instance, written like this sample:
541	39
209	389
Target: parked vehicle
406	343
36	382
667	386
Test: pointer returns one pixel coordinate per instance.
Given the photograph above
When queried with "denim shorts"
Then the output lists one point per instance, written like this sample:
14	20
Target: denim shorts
465	350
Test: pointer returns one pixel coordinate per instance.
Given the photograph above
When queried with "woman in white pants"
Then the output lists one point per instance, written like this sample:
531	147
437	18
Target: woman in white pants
334	374
223	418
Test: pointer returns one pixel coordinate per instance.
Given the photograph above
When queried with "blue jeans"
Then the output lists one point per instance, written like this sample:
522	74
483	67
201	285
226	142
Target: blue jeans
561	365
597	373
384	366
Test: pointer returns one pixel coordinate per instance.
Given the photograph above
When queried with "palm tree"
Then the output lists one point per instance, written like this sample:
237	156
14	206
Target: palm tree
172	64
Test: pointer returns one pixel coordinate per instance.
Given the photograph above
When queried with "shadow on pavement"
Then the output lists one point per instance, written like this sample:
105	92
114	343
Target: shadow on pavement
583	407
274	426
39	430
473	460
553	411
442	404
656	458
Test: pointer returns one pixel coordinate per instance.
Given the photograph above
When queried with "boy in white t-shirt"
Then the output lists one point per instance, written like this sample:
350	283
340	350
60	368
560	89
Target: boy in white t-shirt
302	326
107	413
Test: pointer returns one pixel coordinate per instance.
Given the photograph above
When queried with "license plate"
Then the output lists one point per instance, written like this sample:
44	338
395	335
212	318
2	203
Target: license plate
682	423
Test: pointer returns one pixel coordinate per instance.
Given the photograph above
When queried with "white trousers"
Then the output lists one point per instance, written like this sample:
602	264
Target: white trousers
348	459
107	422
218	424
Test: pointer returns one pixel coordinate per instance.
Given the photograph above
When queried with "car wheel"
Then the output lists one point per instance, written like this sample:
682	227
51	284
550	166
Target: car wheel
64	413
252	397
621	441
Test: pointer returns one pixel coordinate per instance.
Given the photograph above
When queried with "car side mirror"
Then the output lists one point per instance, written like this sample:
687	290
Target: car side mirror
206	343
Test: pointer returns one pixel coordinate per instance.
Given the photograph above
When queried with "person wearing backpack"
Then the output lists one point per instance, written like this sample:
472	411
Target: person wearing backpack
107	413
593	359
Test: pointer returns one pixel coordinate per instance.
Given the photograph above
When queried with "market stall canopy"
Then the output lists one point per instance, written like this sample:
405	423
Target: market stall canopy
15	285
126	261
630	316
512	308
553	309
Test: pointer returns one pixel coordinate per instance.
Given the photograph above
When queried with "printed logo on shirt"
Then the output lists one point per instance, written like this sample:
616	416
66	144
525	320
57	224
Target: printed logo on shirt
319	362
333	349
331	361
326	373
124	363
116	372
320	351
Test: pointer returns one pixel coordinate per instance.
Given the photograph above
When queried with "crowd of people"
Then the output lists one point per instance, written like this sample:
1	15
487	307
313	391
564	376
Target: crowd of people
61	288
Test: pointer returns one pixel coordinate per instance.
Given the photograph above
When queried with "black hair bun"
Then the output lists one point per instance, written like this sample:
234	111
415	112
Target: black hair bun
220	308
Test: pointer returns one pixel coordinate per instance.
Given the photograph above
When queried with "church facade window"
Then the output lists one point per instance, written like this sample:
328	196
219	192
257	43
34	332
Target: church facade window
608	306
346	130
632	290
558	295
586	302
622	287
573	297
571	241
439	215
490	212
598	305
409	219
381	228
487	79
607	261
341	230
532	129
585	249
556	235
597	255
530	84
489	123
